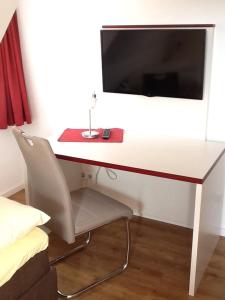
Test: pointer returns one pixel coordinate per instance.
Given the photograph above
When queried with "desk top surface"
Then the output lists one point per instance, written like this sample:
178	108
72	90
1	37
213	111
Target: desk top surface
182	159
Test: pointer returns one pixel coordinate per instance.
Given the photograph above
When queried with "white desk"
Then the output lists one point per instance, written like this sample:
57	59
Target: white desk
198	162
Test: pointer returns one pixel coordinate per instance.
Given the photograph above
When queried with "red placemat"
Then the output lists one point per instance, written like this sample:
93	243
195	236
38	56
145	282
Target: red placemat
74	135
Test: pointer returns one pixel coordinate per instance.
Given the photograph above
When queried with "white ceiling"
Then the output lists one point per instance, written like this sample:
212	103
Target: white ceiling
7	9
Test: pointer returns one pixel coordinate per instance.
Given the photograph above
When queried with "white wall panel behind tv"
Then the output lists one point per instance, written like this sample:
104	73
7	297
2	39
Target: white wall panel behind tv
62	59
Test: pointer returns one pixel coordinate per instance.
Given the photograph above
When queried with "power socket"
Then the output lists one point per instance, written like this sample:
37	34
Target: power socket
86	176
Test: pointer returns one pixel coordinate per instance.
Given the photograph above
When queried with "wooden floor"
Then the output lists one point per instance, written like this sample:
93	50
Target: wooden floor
158	269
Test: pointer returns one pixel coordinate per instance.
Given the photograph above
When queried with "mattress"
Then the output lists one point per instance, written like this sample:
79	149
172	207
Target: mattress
14	257
44	289
30	280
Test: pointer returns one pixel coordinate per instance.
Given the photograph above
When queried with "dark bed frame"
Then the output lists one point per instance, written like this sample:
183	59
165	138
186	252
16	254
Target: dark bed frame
34	281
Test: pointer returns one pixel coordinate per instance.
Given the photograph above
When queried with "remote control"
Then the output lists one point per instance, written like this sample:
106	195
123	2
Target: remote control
106	133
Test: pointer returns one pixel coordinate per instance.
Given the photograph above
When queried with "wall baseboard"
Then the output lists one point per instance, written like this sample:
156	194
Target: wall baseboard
21	187
163	220
222	231
13	190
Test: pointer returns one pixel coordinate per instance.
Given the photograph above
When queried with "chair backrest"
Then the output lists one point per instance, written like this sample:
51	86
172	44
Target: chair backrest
47	189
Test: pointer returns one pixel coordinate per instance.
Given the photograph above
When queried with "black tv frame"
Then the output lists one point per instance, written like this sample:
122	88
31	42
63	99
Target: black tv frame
170	78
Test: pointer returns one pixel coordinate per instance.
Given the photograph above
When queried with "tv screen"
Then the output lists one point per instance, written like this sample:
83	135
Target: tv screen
154	62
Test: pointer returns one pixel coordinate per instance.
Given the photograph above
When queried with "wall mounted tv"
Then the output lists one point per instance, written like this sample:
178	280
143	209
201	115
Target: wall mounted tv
154	62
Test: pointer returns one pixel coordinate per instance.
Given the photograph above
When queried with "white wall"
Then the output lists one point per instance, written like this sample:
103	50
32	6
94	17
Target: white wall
11	169
67	43
61	51
7	8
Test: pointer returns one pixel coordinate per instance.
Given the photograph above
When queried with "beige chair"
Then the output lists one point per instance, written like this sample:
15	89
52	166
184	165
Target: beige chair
72	213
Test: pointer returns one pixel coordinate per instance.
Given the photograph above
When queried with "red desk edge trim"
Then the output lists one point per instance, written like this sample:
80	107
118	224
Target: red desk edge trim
131	169
142	171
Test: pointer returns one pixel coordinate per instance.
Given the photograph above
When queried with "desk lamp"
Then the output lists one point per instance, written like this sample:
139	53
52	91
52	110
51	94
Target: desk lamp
90	134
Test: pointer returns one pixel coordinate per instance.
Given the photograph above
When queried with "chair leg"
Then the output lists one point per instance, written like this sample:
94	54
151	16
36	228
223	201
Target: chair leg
72	251
108	275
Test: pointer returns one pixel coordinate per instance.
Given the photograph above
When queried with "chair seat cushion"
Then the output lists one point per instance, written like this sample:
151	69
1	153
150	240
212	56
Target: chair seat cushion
93	209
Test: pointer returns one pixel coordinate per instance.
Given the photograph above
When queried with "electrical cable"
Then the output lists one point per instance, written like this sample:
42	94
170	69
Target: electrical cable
110	173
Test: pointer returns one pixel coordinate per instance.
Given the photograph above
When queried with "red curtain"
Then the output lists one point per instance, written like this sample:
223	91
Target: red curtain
14	108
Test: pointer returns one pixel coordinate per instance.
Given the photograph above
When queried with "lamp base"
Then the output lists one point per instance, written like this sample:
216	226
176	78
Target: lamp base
90	134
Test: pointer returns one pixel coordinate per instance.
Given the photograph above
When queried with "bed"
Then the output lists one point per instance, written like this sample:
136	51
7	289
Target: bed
25	273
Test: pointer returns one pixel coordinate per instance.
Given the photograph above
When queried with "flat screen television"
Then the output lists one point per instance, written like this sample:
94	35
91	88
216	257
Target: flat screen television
154	62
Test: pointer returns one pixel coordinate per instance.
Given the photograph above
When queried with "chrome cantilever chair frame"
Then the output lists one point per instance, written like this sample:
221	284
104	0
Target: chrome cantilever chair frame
105	277
72	251
47	189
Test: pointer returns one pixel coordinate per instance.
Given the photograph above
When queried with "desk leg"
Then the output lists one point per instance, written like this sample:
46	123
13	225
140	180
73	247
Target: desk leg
207	222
